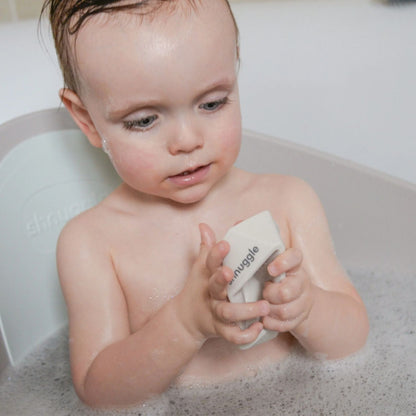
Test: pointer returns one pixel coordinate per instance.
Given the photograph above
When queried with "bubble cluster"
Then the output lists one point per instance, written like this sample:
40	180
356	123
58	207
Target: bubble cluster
379	380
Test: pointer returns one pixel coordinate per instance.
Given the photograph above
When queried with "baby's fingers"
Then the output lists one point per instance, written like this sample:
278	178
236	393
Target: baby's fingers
235	335
286	291
216	255
218	283
207	236
289	260
236	312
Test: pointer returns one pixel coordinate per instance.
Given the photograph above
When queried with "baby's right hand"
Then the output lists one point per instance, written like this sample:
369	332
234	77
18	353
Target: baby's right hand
208	313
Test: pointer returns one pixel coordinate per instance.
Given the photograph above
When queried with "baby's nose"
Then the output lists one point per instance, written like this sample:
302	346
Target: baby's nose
185	139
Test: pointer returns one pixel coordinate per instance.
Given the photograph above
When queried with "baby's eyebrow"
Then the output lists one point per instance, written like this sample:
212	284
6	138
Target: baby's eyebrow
117	113
226	83
114	114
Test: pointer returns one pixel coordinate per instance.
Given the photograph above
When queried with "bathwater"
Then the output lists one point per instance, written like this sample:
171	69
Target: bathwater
378	380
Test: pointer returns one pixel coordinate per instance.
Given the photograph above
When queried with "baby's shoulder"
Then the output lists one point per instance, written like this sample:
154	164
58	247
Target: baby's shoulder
282	186
82	230
290	197
107	224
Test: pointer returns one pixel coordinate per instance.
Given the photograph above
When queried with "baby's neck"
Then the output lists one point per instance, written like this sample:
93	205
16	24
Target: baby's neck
135	201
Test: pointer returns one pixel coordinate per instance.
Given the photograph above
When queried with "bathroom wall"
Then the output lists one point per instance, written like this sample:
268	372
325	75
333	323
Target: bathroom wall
14	10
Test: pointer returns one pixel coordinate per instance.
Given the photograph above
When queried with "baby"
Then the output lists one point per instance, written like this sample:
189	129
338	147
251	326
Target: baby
154	83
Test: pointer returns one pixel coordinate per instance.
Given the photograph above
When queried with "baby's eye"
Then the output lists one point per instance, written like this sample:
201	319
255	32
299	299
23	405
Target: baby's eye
140	124
214	105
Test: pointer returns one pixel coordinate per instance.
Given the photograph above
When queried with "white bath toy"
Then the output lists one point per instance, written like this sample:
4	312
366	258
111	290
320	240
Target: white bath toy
254	243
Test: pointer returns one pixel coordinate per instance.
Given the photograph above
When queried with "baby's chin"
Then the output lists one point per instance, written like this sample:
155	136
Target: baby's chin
190	196
188	200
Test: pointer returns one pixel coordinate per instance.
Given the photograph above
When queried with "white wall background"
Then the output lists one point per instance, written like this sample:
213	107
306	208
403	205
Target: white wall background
338	76
335	75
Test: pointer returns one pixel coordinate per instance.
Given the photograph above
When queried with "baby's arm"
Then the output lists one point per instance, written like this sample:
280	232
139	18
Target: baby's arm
112	366
316	302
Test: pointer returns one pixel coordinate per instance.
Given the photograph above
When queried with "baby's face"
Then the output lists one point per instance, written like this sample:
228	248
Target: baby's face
163	94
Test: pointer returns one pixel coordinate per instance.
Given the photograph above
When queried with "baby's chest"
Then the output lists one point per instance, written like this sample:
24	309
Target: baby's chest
150	275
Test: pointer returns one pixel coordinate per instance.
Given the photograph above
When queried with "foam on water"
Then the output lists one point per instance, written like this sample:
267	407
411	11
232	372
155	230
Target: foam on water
379	380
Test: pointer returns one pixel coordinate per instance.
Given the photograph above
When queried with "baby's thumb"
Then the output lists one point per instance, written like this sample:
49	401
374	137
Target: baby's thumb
207	236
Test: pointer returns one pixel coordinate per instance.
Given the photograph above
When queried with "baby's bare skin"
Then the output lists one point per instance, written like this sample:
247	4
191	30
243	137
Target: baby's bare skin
140	259
142	272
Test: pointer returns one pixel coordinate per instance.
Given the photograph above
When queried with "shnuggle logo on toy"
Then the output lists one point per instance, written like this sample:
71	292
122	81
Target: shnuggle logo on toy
248	259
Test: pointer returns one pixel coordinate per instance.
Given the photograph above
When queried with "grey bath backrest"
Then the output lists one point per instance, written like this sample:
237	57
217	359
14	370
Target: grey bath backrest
48	174
371	214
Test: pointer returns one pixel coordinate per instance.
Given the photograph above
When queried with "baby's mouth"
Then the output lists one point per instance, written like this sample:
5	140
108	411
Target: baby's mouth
191	176
188	172
191	171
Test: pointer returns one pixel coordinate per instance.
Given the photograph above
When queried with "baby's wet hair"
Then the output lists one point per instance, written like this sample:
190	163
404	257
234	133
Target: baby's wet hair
68	16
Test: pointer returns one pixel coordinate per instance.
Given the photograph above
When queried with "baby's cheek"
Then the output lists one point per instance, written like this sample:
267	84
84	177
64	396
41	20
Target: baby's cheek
231	141
133	164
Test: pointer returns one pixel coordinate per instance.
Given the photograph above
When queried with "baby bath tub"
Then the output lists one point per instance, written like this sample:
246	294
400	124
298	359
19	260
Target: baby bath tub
48	173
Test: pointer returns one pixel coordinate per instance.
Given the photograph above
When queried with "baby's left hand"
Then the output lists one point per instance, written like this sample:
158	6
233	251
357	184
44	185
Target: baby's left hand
292	298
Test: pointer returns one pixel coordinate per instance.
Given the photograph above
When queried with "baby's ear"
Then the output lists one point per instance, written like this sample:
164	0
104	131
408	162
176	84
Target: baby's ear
80	115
